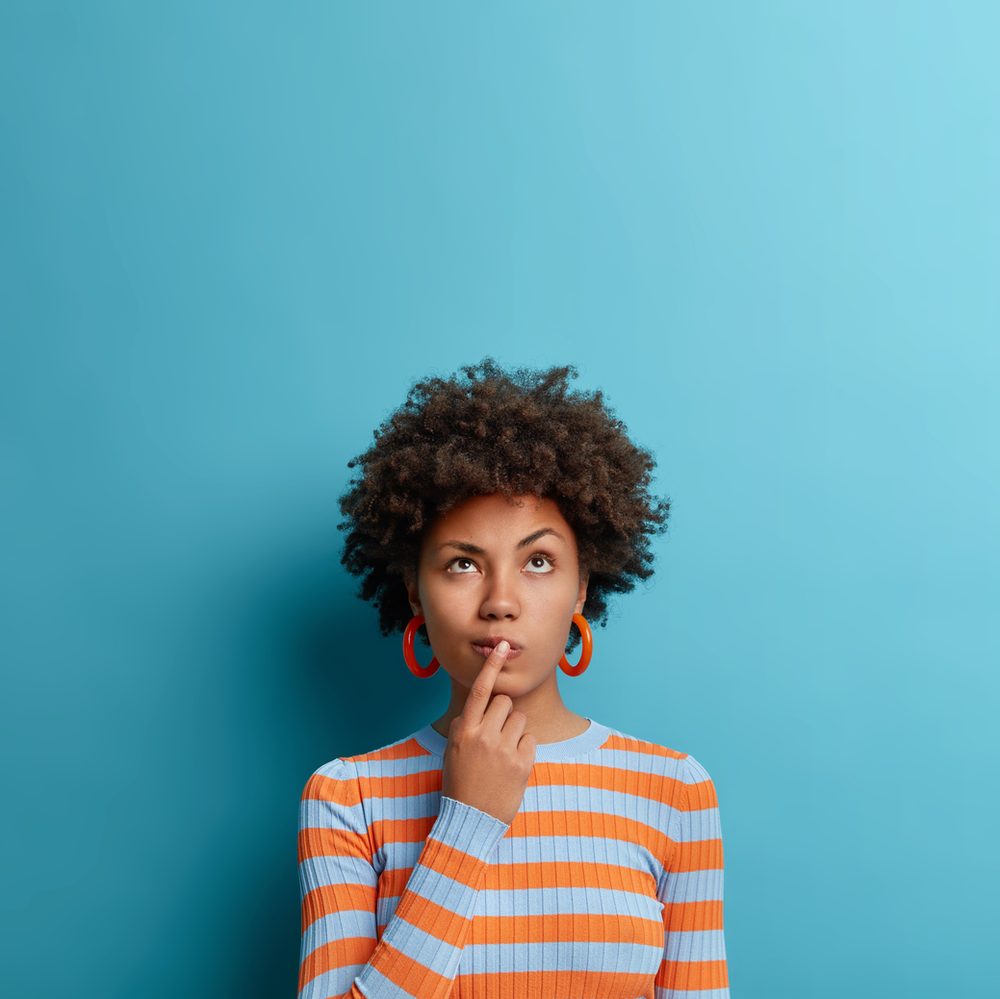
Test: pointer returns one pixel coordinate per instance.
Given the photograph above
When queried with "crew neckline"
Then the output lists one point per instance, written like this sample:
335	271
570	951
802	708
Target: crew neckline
587	741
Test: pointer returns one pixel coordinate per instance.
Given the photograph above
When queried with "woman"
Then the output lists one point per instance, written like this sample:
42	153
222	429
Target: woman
512	847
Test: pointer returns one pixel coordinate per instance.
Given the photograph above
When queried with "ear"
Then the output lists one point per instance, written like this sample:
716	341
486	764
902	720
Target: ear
413	594
582	597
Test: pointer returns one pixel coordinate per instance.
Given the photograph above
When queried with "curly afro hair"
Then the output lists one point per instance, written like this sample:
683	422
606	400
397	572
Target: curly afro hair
494	431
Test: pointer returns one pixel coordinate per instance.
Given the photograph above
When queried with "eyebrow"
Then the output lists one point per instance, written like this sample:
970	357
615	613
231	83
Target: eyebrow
462	546
470	549
532	538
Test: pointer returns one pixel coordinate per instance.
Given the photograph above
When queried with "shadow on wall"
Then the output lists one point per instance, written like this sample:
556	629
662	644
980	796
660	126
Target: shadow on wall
348	692
314	680
357	694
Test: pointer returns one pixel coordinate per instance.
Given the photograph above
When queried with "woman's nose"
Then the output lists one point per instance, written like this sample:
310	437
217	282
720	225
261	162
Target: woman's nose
501	601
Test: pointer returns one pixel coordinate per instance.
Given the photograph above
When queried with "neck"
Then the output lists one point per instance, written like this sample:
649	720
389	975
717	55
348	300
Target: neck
549	720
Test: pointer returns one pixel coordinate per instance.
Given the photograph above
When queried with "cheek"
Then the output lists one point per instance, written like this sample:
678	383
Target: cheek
445	607
567	595
554	613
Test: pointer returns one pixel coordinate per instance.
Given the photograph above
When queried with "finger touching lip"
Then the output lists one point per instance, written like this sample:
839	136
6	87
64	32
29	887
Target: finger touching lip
487	650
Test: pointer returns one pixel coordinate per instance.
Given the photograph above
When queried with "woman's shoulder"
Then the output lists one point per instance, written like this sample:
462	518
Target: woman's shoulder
632	753
401	759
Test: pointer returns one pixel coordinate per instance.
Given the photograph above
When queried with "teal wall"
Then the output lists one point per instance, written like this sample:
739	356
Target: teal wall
231	235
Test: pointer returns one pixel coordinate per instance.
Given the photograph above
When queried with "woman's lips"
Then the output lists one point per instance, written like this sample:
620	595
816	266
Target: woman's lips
487	650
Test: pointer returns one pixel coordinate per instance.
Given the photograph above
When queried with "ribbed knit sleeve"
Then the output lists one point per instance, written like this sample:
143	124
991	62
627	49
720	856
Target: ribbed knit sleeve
420	948
694	958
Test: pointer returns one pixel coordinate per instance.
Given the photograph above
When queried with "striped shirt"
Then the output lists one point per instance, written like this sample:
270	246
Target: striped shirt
607	884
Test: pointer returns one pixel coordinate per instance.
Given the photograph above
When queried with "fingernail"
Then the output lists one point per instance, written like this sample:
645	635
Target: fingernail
503	648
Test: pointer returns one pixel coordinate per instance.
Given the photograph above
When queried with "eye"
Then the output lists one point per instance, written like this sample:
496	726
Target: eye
539	565
461	565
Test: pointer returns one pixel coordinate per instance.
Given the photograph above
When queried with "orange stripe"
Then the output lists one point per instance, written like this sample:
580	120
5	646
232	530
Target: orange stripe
400	787
315	841
567	927
401	830
404	751
392	882
435	919
519	984
336	898
689	916
414	978
539	874
701	855
692	975
656	787
637	746
701	795
559	874
452	863
340	792
342	953
598	824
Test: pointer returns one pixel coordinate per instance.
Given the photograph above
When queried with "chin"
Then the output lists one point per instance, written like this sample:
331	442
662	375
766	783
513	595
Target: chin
514	685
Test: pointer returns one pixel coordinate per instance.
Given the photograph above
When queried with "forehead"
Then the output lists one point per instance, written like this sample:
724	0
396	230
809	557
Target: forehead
496	521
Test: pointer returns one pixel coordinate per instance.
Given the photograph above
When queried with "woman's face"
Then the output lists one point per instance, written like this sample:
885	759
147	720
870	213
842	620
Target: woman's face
493	569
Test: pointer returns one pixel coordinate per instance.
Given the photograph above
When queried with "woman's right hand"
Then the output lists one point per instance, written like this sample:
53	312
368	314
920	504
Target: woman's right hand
489	757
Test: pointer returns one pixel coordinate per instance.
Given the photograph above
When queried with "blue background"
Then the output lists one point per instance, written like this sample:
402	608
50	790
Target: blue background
232	234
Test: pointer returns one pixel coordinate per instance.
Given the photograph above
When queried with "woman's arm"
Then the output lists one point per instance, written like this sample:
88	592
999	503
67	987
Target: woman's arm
694	956
486	767
419	952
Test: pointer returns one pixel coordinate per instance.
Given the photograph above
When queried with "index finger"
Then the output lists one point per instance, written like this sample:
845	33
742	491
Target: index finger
479	695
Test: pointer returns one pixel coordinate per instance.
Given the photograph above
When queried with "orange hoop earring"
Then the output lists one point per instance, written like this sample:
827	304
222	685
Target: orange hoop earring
588	648
410	656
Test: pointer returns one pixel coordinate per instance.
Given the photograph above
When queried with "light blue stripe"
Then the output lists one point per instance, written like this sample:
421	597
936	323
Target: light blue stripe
544	849
578	849
337	770
337	925
695	945
696	773
701	824
398	768
570	798
565	901
385	909
656	815
441	890
687	770
551	901
315	872
340	770
331	983
696	994
316	814
400	855
465	828
694	886
372	983
442	958
551	955
696	826
532	901
642	763
413	806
